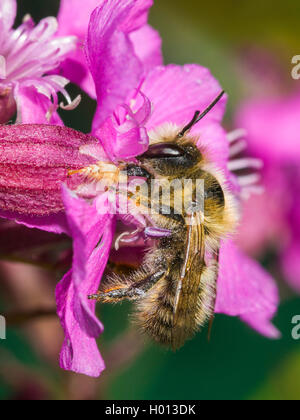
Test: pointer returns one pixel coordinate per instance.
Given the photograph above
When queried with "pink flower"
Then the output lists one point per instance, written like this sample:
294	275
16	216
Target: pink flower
28	56
120	49
134	100
141	42
32	196
34	161
244	289
37	62
73	20
273	128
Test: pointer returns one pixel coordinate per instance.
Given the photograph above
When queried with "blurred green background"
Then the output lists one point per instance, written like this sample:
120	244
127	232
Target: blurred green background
235	40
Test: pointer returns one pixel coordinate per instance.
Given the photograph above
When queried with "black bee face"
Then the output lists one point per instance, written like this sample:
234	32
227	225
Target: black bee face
171	158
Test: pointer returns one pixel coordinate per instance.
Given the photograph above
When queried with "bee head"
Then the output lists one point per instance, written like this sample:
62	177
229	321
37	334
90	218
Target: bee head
168	158
178	154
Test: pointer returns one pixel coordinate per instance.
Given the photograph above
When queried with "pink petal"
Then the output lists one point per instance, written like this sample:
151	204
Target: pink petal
75	69
263	219
147	46
92	235
33	107
291	264
290	256
79	352
8	11
137	16
34	161
177	92
123	135
2	67
115	67
273	127
74	19
246	290
54	223
259	323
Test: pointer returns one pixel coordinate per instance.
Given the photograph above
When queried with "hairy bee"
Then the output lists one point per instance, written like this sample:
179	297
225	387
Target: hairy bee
175	288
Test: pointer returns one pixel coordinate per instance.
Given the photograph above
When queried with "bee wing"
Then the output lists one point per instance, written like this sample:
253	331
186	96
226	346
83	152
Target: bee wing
190	278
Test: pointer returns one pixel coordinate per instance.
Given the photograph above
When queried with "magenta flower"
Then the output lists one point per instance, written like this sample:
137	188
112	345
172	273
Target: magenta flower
244	289
73	20
28	57
34	161
134	101
37	62
121	48
133	42
273	218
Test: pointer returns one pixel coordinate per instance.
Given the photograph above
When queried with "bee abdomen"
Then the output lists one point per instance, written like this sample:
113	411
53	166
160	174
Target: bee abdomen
156	311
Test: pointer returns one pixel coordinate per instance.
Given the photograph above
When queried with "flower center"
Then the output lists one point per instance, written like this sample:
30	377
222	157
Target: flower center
29	53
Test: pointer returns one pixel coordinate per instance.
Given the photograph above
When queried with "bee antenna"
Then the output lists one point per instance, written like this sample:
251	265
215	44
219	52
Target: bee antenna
198	116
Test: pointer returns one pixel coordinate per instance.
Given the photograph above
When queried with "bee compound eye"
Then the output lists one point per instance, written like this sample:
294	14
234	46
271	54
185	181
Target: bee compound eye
163	150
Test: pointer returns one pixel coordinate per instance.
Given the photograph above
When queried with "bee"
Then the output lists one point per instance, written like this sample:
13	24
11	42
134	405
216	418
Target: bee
175	288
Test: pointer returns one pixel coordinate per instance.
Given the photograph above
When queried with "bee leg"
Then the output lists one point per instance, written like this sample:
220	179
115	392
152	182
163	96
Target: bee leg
133	292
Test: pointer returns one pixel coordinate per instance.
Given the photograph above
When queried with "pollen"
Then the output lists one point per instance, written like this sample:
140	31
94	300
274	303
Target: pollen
101	171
